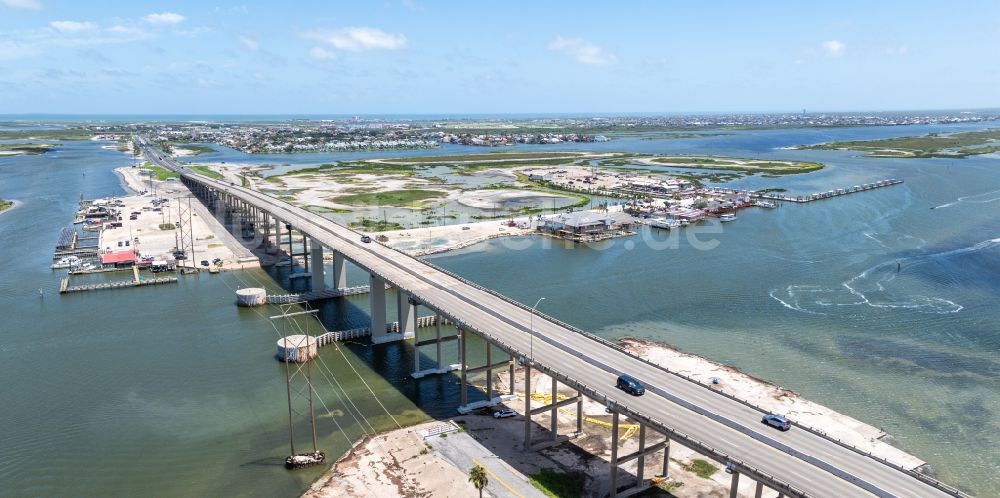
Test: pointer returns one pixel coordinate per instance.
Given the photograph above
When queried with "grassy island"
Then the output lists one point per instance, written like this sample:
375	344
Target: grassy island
751	166
5	205
949	145
26	149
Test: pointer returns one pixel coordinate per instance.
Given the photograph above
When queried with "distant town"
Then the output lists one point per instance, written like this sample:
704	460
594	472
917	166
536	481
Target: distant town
371	133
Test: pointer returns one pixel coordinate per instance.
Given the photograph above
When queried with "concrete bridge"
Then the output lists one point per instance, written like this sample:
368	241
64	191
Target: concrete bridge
799	462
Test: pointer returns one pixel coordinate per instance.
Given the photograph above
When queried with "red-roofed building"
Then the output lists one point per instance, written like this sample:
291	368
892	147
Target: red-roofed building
120	259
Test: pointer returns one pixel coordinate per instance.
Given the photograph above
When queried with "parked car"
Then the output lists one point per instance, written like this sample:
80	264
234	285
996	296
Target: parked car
776	421
366	239
630	385
504	413
204	262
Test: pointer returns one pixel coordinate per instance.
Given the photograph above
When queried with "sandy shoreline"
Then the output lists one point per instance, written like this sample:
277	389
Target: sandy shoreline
396	463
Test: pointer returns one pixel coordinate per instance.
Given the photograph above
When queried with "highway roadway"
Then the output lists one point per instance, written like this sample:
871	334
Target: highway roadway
809	462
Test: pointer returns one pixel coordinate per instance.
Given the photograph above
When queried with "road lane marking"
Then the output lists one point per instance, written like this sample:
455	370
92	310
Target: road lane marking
502	483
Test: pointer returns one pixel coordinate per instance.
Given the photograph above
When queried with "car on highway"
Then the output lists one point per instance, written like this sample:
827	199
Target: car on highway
504	413
366	239
630	385
776	421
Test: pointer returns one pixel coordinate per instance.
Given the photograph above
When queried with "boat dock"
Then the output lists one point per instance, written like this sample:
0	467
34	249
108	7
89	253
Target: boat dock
136	281
778	196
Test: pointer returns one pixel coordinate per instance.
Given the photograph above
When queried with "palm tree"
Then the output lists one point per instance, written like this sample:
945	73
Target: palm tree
477	476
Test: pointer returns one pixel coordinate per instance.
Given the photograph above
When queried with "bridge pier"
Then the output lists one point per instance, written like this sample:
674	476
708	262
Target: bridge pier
376	302
553	408
734	484
439	361
406	311
339	270
318	277
641	484
489	368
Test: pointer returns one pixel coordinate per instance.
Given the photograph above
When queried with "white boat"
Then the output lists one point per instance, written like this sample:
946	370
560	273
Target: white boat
84	267
664	223
727	217
765	204
66	262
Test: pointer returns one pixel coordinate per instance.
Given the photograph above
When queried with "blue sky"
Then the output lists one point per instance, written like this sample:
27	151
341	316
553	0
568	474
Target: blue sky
422	56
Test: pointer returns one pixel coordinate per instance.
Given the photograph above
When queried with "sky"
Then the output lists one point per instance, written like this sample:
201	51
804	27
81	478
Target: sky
428	57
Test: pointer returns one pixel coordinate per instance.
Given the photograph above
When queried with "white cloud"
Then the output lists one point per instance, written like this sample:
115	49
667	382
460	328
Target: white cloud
22	4
358	39
834	48
15	50
249	43
69	26
900	50
164	18
320	53
582	51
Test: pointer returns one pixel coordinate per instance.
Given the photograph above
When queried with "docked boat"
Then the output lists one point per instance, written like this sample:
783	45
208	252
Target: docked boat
765	204
304	460
664	223
727	217
83	267
67	262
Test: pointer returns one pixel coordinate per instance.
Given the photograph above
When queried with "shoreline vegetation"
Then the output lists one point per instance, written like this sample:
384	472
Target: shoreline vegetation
25	149
933	145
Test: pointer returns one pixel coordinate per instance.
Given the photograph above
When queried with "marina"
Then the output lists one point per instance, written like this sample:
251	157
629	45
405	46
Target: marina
136	281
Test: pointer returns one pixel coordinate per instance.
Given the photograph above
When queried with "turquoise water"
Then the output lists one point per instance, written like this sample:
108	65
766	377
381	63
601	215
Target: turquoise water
173	388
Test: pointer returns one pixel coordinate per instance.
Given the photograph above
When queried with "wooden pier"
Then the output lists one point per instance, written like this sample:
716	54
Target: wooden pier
777	196
65	288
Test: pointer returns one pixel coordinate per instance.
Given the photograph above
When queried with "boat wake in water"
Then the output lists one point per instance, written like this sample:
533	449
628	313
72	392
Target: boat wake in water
884	285
984	198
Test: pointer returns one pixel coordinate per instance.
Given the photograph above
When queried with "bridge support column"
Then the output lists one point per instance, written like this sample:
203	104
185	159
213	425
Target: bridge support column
510	374
339	271
553	409
734	484
440	366
376	301
437	340
666	459
554	413
406	310
318	277
758	490
464	395
613	476
579	412
527	407
306	256
489	372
